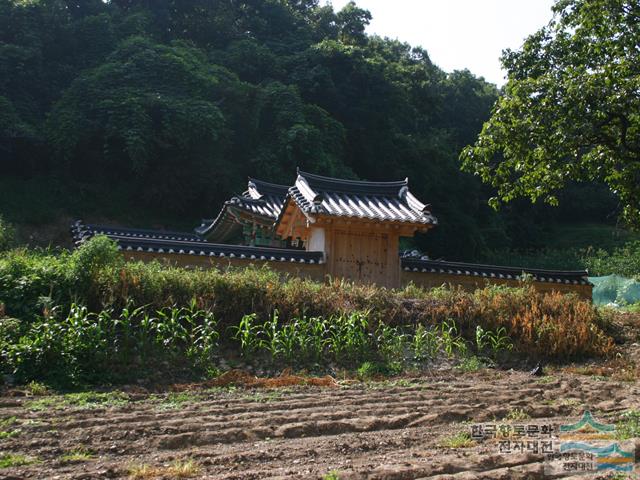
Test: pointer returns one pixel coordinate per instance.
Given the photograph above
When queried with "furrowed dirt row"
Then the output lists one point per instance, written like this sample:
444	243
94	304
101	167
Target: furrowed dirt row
392	430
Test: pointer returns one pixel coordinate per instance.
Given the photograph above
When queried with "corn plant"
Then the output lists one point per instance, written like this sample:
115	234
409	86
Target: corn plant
172	327
248	334
499	341
204	339
78	344
481	338
313	337
425	343
125	322
495	342
391	343
450	340
288	341
349	338
145	336
129	331
271	336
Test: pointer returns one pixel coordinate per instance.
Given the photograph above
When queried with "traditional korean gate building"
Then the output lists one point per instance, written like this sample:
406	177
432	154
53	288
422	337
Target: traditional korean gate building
323	227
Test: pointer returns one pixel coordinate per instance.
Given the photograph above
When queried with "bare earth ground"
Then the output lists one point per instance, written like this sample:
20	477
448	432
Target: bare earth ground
386	430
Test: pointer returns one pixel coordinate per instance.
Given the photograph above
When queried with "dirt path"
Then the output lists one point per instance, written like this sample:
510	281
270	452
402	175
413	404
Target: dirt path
386	431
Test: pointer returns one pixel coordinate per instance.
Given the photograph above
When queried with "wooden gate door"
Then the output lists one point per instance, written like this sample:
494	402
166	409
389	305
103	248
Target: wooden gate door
362	257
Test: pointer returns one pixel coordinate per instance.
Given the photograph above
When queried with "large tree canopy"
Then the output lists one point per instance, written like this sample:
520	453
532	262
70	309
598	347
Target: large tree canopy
570	109
149	112
164	107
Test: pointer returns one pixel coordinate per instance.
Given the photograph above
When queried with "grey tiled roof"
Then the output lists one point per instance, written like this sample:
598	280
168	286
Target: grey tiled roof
410	263
262	199
81	230
386	201
164	245
266	197
382	201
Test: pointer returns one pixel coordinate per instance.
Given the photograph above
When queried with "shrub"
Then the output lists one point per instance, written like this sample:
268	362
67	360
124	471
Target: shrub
94	264
549	325
370	370
629	425
621	260
471	364
7	235
29	279
624	261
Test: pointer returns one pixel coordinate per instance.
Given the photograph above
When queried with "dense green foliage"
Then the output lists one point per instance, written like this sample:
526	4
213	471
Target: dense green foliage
88	316
570	108
7	235
80	347
623	261
570	252
154	113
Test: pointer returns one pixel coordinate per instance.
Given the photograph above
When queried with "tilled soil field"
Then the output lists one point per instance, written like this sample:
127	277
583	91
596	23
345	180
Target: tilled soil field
401	429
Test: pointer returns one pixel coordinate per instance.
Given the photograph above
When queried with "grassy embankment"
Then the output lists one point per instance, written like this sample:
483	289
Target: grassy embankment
87	317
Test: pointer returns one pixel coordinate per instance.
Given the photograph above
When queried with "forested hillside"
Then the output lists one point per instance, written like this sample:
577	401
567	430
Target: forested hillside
156	111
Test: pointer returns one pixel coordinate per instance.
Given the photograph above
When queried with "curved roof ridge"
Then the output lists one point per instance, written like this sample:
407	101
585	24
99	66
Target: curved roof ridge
384	201
244	199
268	185
354	183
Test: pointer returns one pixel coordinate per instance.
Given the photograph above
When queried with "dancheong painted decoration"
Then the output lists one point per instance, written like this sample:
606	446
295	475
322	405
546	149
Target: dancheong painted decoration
321	227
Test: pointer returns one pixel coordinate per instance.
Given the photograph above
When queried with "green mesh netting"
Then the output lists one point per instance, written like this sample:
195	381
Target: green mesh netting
615	290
